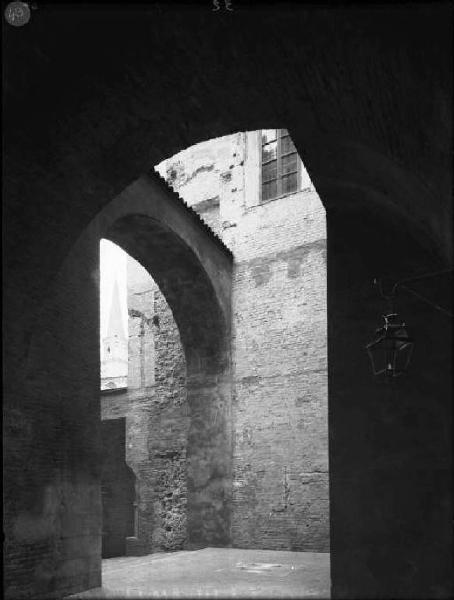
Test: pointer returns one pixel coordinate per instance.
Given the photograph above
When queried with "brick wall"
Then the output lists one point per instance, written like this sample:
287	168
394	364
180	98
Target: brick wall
279	345
52	505
279	342
156	414
280	436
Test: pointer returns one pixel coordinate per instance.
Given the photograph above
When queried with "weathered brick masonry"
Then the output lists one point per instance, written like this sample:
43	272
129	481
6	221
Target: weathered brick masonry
157	418
279	345
280	463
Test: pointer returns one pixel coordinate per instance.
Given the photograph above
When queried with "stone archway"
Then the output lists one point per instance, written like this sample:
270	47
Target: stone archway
63	507
193	269
200	302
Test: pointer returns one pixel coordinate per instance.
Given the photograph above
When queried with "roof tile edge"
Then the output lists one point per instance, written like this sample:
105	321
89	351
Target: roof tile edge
176	196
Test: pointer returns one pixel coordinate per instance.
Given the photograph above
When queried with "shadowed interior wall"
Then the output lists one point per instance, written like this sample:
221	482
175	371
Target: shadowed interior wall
390	453
52	508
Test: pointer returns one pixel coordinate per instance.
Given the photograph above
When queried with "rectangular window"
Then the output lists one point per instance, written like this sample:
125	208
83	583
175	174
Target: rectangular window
280	164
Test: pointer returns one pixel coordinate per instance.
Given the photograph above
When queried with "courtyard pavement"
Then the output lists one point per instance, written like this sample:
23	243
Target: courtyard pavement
215	573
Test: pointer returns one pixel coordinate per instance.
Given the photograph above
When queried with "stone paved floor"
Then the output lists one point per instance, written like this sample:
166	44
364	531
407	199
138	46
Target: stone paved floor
216	573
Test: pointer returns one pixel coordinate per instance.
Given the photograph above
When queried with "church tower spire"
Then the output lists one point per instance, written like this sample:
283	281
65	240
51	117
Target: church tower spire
114	363
116	327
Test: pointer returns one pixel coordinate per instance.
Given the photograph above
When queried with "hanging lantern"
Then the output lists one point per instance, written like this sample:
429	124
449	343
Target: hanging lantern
390	352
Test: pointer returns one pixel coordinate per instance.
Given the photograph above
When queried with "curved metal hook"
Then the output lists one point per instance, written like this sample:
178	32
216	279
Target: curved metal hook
388	297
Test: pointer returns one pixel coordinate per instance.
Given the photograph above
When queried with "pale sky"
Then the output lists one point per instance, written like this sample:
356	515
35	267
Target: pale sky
112	265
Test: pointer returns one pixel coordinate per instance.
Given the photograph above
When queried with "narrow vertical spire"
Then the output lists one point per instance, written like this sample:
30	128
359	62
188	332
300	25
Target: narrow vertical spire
116	324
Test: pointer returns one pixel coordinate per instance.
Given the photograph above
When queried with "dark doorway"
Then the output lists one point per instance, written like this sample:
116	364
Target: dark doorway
117	488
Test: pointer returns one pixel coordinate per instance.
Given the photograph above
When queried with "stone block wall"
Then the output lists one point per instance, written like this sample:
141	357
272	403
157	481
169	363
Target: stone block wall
167	443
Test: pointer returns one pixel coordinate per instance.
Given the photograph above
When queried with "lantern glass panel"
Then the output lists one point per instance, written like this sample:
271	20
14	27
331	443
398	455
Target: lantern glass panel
402	355
378	355
391	351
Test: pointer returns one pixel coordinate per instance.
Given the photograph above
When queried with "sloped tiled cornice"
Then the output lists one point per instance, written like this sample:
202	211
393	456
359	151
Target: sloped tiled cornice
194	215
